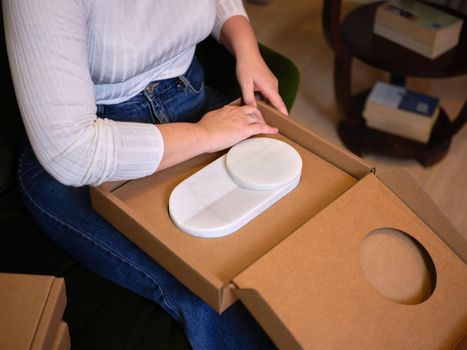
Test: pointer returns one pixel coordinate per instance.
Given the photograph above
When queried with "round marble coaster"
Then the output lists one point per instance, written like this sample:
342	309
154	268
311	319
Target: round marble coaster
263	163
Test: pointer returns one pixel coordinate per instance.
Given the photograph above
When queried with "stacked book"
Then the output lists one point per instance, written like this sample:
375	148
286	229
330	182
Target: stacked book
397	110
418	27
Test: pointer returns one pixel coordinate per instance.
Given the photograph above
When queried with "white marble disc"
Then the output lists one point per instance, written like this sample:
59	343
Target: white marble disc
263	163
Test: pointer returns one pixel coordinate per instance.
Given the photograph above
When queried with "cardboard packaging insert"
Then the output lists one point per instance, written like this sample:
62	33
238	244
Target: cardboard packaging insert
297	266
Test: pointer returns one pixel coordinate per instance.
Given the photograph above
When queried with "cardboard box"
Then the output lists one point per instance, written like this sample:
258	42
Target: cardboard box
62	338
297	266
31	310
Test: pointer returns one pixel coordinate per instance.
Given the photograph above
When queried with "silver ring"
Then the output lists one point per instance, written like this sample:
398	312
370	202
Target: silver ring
252	116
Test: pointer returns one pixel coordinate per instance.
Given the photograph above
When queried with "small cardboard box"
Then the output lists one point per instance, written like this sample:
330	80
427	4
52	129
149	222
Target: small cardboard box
297	266
62	338
31	312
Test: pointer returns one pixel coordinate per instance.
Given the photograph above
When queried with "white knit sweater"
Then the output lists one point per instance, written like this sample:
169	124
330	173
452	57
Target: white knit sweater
67	55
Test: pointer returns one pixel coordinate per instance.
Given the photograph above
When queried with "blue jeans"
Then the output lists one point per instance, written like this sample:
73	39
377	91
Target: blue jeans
65	215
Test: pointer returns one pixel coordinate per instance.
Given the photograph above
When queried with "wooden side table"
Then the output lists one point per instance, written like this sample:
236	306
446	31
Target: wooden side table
353	37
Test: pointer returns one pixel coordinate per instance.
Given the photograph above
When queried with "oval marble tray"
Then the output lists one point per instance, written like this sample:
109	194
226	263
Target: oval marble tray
212	203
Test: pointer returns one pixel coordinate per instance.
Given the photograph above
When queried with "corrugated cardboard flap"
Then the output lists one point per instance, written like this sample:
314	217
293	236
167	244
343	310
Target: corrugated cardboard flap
51	316
128	220
310	291
62	338
335	155
404	185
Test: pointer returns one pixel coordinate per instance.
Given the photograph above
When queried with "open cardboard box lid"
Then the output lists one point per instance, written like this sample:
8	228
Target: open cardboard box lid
300	302
319	290
31	311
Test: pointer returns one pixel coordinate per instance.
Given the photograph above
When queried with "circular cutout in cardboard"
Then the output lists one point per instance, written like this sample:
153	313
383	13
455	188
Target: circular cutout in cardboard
397	266
263	163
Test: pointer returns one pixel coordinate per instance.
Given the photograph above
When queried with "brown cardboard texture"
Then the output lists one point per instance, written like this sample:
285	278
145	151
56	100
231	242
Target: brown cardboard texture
62	338
411	193
32	308
296	266
335	305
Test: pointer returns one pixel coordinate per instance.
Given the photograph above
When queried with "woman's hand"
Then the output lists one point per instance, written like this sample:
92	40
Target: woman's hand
217	130
253	74
231	124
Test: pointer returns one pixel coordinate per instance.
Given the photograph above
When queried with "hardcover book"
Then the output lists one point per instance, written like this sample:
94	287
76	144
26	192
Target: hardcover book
418	27
401	111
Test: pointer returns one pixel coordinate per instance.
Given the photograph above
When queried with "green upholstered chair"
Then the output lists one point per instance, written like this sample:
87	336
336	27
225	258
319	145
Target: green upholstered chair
100	314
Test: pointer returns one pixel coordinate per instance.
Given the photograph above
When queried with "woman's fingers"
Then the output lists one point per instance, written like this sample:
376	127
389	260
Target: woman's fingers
248	92
269	93
255	77
255	121
253	113
275	99
232	124
263	128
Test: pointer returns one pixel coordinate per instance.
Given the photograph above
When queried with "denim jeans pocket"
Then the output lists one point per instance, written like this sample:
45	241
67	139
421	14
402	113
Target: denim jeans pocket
193	78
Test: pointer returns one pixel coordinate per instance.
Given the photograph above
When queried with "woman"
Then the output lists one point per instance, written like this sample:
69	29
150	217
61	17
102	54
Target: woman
110	90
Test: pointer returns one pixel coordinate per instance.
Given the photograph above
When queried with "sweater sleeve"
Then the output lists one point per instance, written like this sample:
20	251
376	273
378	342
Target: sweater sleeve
224	10
47	50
